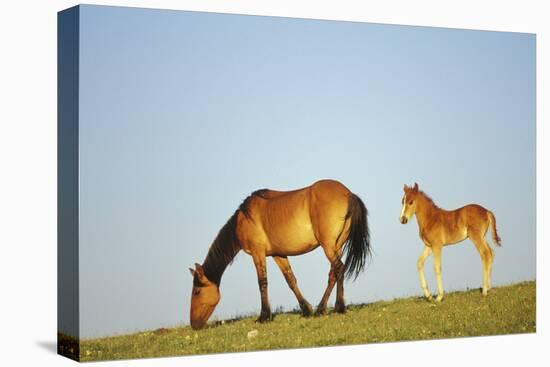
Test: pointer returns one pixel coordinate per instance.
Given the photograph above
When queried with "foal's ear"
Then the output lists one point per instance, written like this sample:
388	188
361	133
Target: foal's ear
192	272
415	188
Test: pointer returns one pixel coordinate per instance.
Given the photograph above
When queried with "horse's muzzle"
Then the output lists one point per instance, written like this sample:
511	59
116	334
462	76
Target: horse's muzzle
403	220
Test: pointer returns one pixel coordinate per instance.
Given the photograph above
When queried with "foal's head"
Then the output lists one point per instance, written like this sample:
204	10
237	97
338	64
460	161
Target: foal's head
409	203
204	298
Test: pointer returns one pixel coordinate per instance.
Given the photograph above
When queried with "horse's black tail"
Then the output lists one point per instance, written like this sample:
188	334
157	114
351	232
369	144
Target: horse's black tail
357	246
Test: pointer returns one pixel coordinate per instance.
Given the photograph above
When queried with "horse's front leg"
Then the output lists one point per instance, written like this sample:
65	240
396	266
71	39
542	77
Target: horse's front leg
420	267
259	262
437	269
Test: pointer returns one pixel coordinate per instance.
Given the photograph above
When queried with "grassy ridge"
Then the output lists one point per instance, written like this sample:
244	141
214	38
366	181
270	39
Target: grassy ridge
506	310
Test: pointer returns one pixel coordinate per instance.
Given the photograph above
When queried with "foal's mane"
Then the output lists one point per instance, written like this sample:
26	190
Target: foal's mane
226	245
428	199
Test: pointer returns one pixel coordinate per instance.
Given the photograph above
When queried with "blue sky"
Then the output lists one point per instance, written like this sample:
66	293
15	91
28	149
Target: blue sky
183	114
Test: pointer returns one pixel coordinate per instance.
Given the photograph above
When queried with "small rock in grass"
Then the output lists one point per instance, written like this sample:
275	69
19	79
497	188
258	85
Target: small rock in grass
252	334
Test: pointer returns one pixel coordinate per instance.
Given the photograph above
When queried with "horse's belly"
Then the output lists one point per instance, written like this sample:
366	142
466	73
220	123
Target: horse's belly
291	249
456	237
292	240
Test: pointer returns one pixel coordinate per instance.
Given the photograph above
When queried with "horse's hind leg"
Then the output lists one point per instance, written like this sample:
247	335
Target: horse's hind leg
490	267
336	276
284	265
339	270
486	254
322	307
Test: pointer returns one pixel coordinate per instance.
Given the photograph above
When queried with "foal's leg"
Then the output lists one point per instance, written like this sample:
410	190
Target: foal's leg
259	262
490	266
437	269
486	254
490	255
284	265
420	266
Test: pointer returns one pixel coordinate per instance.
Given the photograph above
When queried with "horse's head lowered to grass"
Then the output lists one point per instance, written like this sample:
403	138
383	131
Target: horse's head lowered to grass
204	298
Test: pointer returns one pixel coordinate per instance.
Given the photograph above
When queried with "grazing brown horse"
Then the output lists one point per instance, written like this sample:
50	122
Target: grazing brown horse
439	227
281	224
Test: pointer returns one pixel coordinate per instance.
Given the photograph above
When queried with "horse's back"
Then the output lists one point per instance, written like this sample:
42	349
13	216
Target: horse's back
475	216
329	186
321	187
322	190
329	196
293	221
279	222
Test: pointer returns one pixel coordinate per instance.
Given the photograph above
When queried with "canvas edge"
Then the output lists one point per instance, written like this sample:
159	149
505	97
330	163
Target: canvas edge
68	315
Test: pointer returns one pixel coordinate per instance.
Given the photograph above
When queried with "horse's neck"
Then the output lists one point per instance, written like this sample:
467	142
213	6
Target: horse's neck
214	265
425	211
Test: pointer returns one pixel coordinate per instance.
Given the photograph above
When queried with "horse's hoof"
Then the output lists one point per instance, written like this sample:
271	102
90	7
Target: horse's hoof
340	308
429	298
262	320
320	311
265	317
307	310
439	299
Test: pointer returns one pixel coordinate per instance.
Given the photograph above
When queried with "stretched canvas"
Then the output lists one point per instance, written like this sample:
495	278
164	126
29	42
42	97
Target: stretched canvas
231	183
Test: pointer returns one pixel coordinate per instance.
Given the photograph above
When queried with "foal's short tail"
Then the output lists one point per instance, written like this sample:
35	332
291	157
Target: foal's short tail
493	224
357	245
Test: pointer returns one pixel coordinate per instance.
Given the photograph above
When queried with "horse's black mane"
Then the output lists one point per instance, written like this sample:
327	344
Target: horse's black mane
244	205
226	245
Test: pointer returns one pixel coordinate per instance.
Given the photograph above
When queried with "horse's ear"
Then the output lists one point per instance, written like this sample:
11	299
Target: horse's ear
405	188
415	188
192	272
199	270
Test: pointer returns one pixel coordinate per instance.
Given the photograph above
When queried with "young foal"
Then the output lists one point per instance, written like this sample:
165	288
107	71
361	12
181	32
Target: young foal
440	227
282	224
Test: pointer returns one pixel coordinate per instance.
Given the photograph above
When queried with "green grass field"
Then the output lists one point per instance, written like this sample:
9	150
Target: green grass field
507	310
